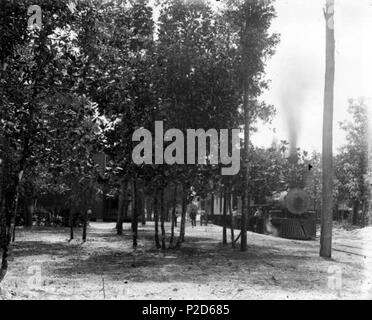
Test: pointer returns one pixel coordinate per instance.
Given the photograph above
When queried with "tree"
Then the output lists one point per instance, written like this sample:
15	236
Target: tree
193	59
120	79
250	22
314	183
42	108
94	73
352	169
327	157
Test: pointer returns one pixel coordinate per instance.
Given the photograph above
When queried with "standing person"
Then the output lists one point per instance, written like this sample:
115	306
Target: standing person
258	212
258	220
193	214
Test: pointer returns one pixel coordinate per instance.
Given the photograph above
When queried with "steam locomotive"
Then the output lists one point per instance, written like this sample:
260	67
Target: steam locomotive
285	215
288	216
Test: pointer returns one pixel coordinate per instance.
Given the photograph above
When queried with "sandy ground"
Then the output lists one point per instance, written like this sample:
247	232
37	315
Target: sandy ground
44	265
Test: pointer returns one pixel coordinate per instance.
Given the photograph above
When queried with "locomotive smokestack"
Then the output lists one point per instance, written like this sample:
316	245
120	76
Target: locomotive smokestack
293	130
293	157
293	160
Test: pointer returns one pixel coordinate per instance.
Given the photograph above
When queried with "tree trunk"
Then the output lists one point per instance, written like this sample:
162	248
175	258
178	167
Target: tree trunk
327	160
143	207
243	223
245	212
119	220
212	206
364	213
174	217
85	225
123	206
181	238
224	217
3	237
167	214
29	211
355	217
71	219
5	230
156	219
86	208
149	208
162	218
14	215
135	213
140	205
231	221
183	218
338	213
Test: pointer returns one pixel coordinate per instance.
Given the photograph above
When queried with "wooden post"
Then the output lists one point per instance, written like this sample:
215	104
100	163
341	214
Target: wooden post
247	125
327	155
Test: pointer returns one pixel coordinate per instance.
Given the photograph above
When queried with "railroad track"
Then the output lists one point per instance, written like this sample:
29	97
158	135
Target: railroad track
355	250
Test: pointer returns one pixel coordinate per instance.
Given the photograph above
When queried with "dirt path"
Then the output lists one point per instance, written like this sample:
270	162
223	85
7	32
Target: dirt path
44	265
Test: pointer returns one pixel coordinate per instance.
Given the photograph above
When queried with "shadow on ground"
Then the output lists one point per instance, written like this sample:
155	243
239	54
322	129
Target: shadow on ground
198	260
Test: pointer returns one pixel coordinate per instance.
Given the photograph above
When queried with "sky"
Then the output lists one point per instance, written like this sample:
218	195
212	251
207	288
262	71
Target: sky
297	69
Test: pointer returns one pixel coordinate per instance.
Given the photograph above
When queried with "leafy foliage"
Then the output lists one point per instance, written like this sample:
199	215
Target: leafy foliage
352	170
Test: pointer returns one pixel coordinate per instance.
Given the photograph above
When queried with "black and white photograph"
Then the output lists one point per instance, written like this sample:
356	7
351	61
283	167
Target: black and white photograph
210	151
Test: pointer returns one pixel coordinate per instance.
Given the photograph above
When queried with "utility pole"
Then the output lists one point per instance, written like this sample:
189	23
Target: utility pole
245	208
246	194
327	156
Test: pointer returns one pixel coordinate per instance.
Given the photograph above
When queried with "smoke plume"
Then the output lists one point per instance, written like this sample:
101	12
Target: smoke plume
293	93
